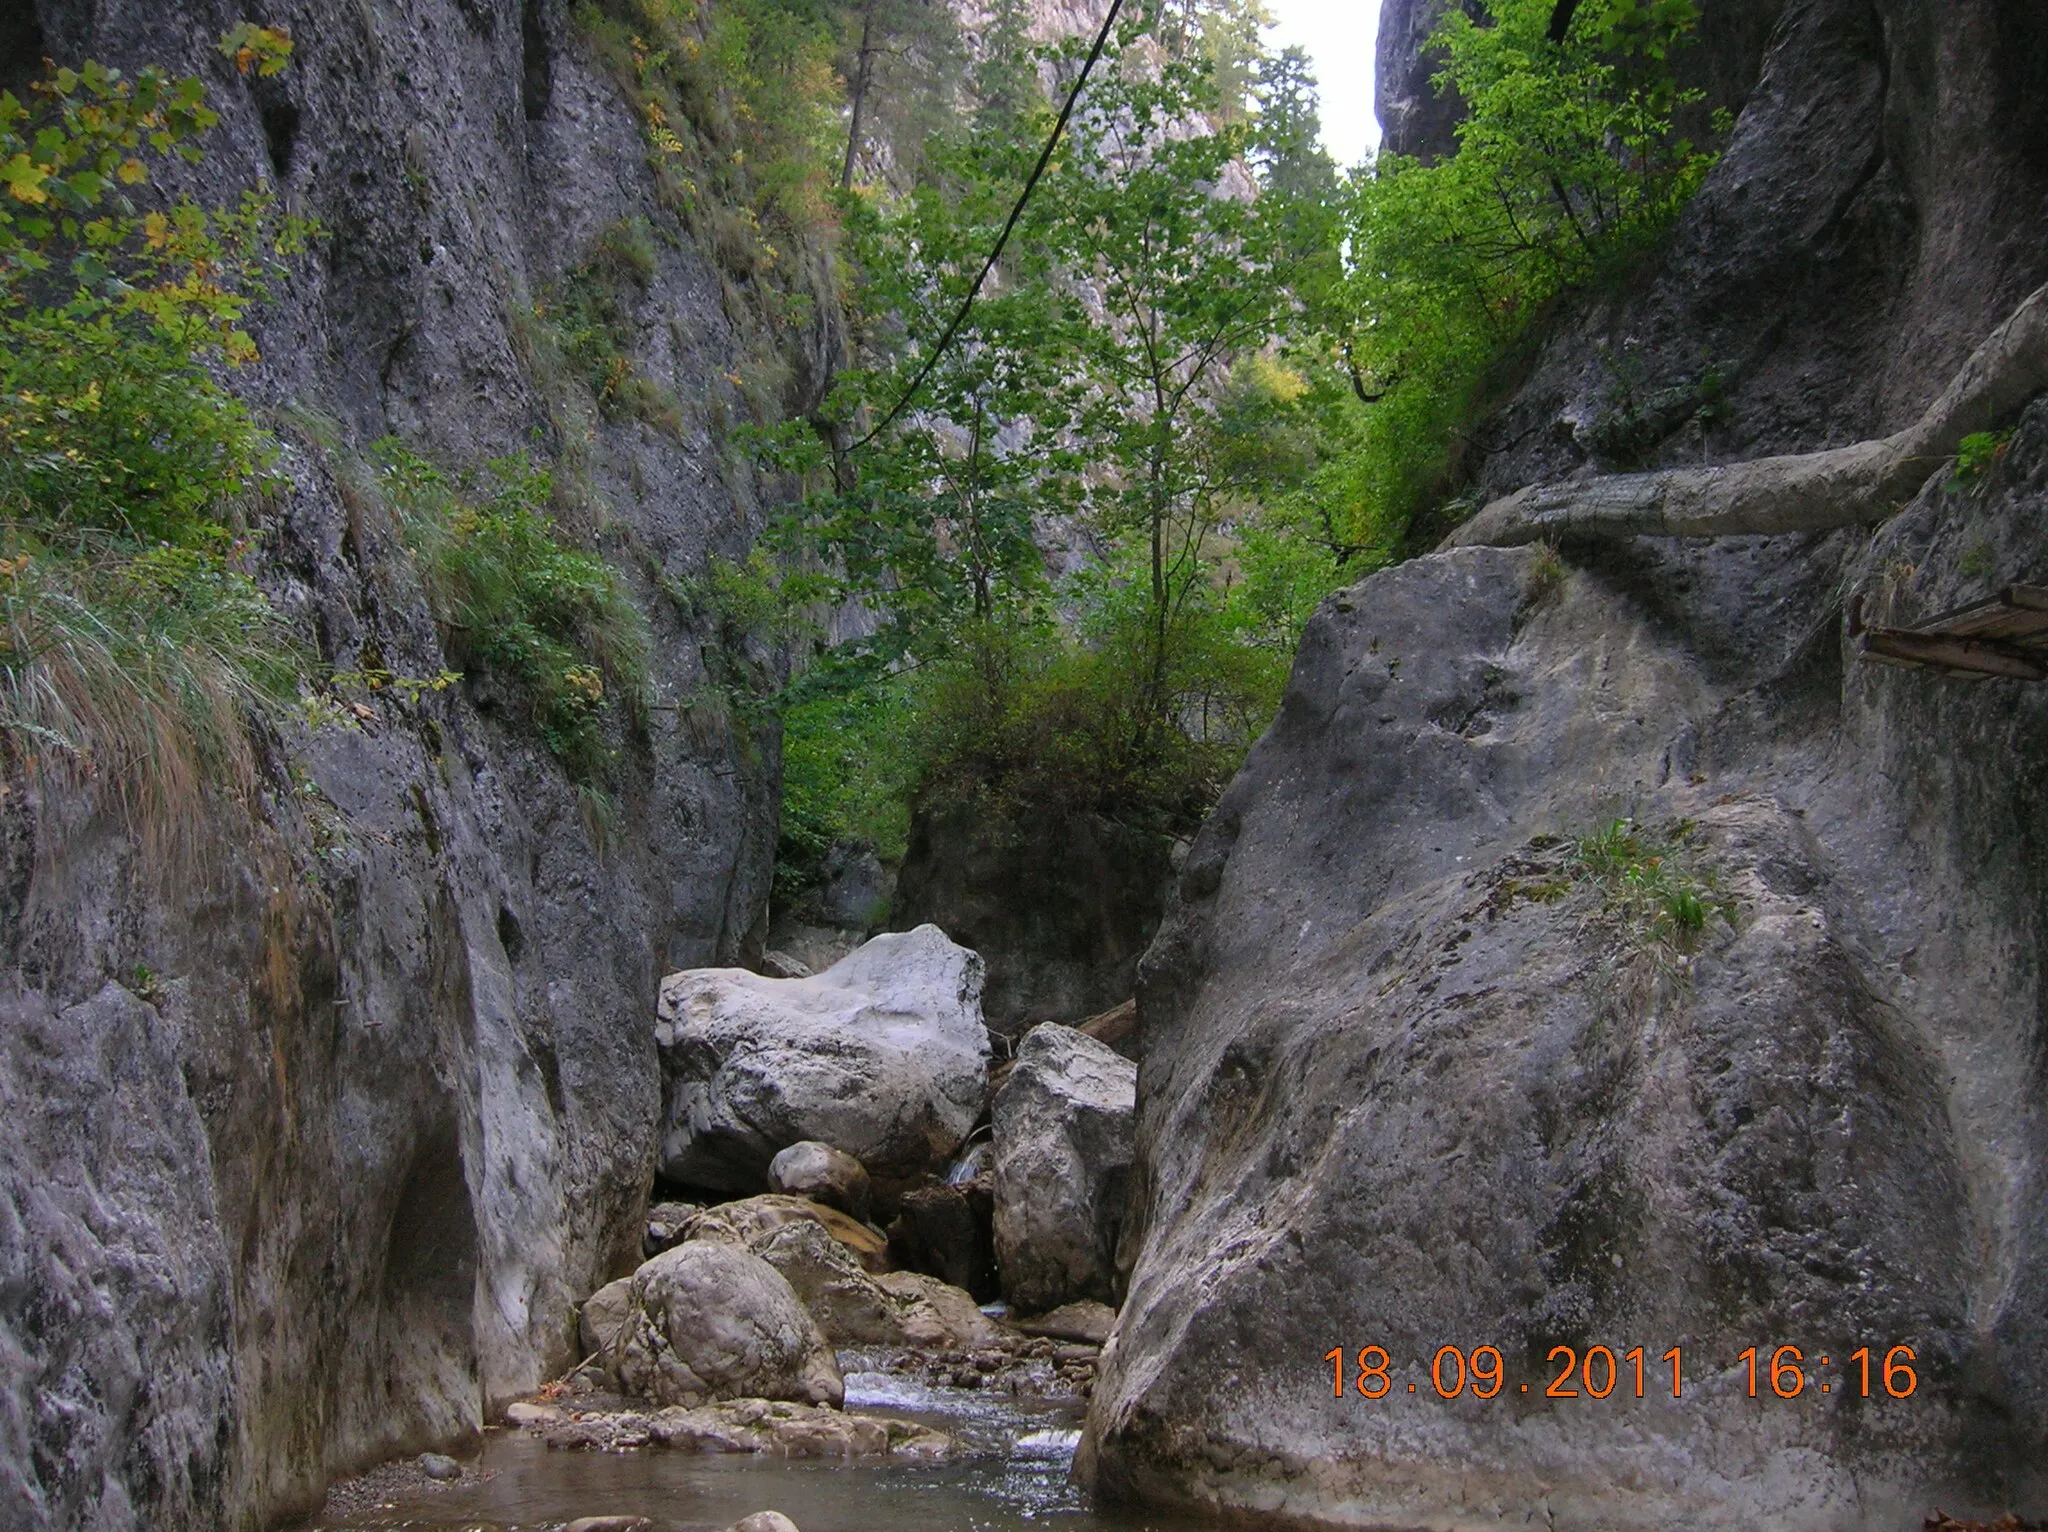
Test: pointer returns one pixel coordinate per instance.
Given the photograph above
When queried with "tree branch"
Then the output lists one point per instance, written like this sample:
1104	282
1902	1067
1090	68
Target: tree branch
1358	387
1810	492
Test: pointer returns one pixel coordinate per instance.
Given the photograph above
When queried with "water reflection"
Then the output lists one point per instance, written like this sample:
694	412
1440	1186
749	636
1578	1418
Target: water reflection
1013	1476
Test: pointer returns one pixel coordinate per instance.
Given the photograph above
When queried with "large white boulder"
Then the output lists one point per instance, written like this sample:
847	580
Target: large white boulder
883	1056
1065	1136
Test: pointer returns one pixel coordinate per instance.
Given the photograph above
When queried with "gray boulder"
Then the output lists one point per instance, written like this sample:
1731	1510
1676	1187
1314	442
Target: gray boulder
1418	1075
1063	1147
857	1308
850	1306
883	1055
714	1321
823	1174
604	1315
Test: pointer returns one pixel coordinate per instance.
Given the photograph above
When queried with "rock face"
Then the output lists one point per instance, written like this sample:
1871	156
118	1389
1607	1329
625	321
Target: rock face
326	1127
712	1321
1063	1148
823	1174
106	1224
1416	1076
1061	912
884	1056
1415	118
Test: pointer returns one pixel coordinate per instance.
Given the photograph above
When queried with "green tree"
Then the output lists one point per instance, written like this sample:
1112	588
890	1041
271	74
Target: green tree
902	64
1112	386
1187	271
1286	138
1569	166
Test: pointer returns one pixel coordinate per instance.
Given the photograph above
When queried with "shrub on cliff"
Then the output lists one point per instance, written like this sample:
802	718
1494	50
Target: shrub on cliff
133	646
1569	165
517	600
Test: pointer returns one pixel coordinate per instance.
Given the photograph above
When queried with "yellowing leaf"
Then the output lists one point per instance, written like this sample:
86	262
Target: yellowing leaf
25	178
132	173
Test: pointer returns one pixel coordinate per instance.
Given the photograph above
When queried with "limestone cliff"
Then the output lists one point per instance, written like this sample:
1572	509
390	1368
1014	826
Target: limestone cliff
317	1128
1415	1073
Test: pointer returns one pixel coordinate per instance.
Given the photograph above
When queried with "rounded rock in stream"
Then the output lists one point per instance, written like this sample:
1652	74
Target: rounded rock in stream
823	1174
763	1521
714	1321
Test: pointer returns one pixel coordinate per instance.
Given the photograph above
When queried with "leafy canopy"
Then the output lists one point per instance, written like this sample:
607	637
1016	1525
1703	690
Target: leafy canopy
1569	165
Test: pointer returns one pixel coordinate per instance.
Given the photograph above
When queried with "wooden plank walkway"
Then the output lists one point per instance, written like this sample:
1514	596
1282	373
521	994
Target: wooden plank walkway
2005	636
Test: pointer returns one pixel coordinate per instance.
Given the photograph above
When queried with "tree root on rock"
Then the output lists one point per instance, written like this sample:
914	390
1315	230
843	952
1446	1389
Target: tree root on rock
1807	492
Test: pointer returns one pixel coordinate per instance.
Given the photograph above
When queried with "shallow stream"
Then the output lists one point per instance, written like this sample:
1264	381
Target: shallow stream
1010	1475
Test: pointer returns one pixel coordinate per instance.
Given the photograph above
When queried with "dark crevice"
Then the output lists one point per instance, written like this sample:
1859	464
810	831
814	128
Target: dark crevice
431	1259
537	85
1879	155
510	937
280	134
22	46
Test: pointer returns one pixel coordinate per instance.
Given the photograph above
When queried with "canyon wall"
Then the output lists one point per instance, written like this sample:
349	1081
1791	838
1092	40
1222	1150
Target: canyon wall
323	1112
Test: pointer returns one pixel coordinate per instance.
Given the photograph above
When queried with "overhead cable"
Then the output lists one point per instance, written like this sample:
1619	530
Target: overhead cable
987	266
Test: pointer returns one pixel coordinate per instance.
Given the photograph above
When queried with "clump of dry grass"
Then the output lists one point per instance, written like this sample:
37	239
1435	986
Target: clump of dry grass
140	670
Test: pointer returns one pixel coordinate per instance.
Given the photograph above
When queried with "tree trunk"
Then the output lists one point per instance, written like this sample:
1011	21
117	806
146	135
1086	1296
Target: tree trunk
863	64
1809	492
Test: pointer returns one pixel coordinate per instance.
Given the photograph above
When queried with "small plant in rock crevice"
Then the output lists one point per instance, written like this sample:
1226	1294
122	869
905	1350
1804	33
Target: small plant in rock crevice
1654	883
1978	560
1977	455
591	313
1636	418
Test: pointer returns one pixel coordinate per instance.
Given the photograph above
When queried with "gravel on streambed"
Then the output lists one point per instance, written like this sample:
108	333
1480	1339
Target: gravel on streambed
380	1487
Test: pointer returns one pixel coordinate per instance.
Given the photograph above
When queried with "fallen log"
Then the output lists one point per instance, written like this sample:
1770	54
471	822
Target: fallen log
1804	492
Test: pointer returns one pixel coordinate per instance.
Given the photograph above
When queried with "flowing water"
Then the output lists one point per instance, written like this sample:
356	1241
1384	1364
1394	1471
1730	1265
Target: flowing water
1011	1475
